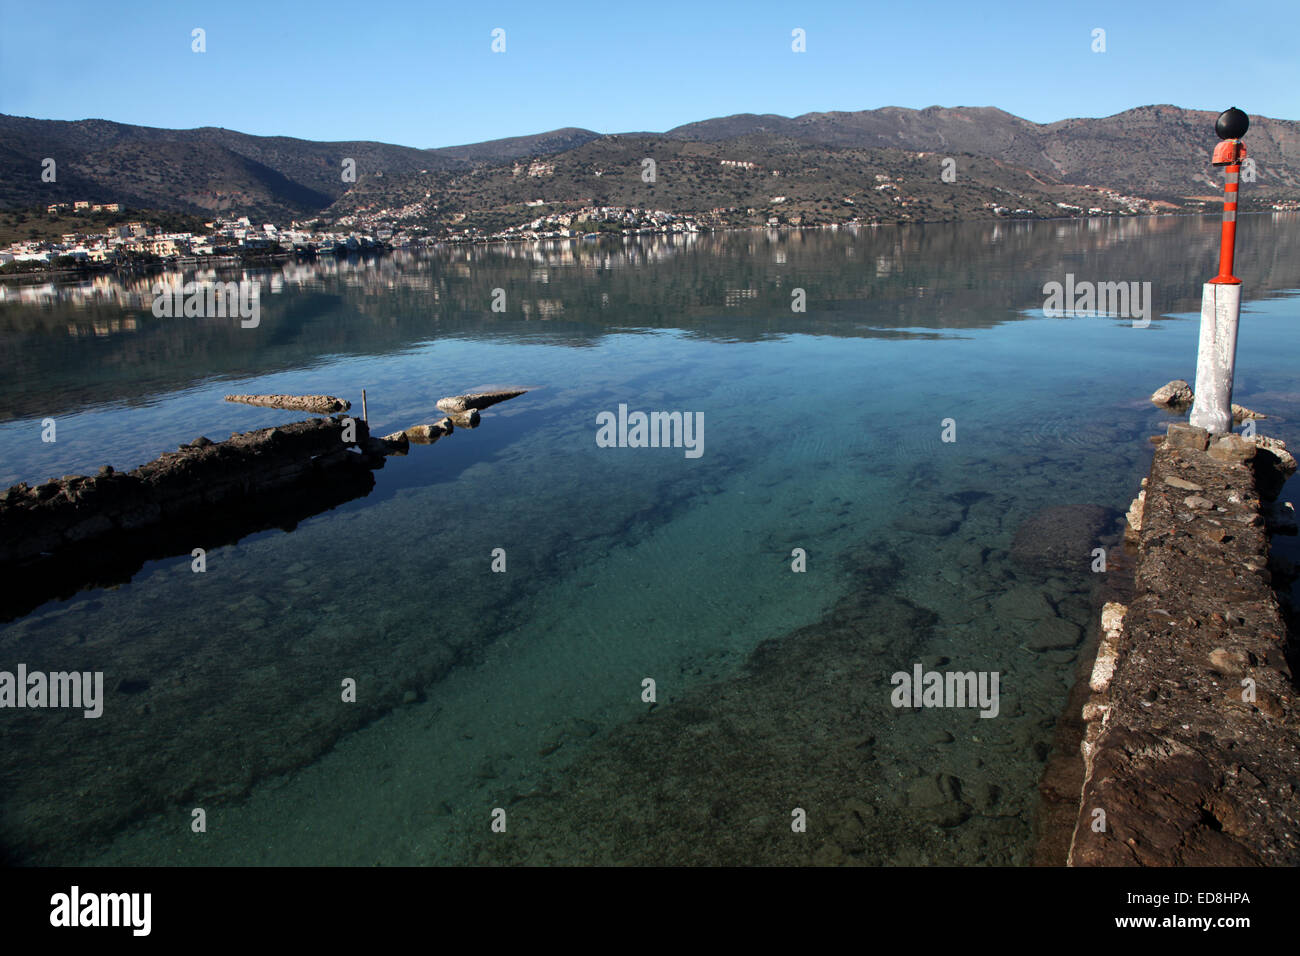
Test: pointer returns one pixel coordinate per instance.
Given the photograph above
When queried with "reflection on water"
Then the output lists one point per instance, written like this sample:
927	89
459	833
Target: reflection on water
67	346
523	690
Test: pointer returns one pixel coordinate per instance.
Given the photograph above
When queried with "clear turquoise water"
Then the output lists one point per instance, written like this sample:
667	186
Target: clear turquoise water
822	432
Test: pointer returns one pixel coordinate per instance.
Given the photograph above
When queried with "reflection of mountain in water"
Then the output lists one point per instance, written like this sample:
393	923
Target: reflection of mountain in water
729	286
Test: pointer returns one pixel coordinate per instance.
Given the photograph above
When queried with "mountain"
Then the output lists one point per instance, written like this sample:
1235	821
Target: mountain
1158	152
519	147
211	170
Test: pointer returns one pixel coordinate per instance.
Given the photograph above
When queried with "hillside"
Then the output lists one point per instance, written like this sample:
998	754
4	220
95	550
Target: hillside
744	181
1157	152
212	170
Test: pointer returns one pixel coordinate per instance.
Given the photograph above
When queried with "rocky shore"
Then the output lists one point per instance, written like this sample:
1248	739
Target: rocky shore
1191	748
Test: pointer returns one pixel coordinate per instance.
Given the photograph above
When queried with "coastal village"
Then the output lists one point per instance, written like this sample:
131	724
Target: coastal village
142	243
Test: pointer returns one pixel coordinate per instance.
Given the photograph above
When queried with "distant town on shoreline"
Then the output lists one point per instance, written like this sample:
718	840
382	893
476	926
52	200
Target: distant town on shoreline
94	195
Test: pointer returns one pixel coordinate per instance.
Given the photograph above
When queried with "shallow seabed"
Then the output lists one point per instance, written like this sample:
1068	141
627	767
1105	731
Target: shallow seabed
522	691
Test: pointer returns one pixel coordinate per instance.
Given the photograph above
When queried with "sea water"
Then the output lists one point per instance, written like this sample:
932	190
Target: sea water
572	650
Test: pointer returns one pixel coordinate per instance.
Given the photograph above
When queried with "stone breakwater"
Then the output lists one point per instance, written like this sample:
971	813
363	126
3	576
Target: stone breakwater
1192	741
184	488
320	404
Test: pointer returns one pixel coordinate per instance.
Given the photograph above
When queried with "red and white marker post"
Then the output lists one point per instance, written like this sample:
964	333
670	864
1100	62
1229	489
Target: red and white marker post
1216	356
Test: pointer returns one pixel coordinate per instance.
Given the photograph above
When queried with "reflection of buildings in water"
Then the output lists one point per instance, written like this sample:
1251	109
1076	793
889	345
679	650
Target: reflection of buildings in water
550	261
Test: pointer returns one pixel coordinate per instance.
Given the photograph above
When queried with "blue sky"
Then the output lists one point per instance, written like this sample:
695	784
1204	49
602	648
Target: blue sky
424	74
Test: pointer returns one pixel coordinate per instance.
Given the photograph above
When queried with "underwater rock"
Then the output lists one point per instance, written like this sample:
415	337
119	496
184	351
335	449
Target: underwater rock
1023	604
936	525
1054	634
1061	537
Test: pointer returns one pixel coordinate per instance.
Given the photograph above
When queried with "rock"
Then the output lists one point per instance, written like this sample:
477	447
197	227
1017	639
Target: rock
937	525
1103	668
1054	634
925	792
394	444
1269	704
469	419
428	434
1134	516
1176	394
1183	435
1277	448
1182	484
410	697
1095	710
578	727
476	400
1232	448
1229	662
1023	604
1061	537
1241	414
323	404
1197	503
984	796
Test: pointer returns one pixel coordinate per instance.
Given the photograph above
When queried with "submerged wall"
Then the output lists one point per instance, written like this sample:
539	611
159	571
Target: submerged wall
1192	741
83	530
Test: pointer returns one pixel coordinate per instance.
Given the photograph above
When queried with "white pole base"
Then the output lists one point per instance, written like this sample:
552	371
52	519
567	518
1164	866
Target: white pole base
1216	358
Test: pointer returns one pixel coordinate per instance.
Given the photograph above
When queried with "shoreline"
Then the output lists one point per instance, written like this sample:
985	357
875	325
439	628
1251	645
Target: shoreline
72	275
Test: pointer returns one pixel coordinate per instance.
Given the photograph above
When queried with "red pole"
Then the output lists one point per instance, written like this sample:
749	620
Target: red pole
1231	126
1228	238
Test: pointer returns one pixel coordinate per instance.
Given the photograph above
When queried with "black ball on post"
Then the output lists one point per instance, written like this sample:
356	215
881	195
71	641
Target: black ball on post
1232	124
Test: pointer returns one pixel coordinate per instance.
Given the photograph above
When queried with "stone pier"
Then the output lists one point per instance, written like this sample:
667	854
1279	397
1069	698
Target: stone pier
1192	741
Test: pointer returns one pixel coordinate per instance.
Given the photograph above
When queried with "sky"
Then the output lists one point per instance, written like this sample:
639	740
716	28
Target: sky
424	73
